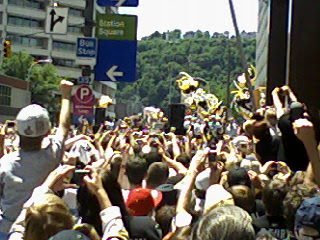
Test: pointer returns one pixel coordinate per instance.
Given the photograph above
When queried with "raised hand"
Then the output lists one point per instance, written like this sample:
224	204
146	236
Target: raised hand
58	178
304	130
66	88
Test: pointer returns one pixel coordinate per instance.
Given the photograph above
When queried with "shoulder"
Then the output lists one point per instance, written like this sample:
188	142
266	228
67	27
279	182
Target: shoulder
284	120
10	158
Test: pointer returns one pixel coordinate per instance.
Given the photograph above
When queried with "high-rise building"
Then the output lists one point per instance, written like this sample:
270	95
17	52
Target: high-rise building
262	42
23	22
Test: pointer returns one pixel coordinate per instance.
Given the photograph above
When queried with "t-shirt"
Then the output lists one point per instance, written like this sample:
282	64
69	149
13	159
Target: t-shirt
143	228
274	225
268	149
21	172
292	150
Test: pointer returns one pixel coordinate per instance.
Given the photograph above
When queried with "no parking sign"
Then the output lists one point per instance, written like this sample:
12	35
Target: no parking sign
83	102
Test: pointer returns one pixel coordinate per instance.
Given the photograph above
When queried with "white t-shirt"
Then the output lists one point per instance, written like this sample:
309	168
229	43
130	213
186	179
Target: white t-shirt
21	172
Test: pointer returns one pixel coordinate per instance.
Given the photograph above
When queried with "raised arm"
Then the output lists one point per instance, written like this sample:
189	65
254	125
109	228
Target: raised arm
64	120
277	102
289	93
305	132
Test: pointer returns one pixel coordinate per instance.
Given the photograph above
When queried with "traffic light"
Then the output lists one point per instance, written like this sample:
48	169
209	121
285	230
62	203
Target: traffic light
7	51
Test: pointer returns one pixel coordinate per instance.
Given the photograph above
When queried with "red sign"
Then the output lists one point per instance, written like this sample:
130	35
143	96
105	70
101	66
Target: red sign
83	102
84	95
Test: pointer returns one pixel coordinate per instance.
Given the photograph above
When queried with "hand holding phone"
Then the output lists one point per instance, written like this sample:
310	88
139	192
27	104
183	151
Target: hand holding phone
78	176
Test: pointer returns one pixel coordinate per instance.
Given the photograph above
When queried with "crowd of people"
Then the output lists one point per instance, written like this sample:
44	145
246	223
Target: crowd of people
137	178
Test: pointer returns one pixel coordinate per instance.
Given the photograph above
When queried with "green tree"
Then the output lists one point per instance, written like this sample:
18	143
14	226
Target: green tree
161	59
44	79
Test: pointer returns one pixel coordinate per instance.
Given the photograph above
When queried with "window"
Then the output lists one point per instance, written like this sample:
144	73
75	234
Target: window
5	95
63	46
27	3
24	22
27	41
76	12
73	29
63	62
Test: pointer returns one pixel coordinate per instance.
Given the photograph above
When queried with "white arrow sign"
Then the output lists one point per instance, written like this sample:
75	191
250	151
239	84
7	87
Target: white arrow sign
112	74
56	20
119	4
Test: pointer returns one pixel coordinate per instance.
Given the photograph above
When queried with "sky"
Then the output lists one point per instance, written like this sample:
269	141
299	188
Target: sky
193	15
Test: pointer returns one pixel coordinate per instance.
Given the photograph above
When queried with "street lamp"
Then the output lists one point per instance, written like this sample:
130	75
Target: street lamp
49	60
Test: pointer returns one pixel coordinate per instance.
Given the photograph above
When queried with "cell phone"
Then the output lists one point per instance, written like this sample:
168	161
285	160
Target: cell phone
11	124
79	175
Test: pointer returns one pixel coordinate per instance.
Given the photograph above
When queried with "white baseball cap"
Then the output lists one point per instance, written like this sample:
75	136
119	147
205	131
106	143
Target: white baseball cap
33	121
203	180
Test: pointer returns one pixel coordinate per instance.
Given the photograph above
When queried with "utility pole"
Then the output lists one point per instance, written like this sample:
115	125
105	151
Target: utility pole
242	56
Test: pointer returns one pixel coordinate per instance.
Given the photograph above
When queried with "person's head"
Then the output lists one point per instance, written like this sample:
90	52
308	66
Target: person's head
88	205
307	220
297	178
251	163
142	201
136	170
261	130
248	127
164	216
47	217
33	124
242	144
152	157
224	223
239	176
115	164
264	235
184	159
273	195
169	194
271	116
293	200
72	235
243	197
157	174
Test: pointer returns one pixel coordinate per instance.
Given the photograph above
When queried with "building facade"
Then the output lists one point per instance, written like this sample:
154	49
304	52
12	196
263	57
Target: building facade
14	95
262	42
23	22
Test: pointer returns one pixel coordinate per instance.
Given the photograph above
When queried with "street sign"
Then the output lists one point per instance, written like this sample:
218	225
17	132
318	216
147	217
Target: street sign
83	102
56	20
118	3
116	27
87	48
116	61
78	120
84	80
86	51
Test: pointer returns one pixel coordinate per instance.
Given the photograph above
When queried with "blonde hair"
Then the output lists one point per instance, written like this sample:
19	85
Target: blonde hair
46	218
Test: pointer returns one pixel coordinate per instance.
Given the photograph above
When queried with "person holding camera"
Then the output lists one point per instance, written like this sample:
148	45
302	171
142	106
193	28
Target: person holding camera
291	150
27	168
